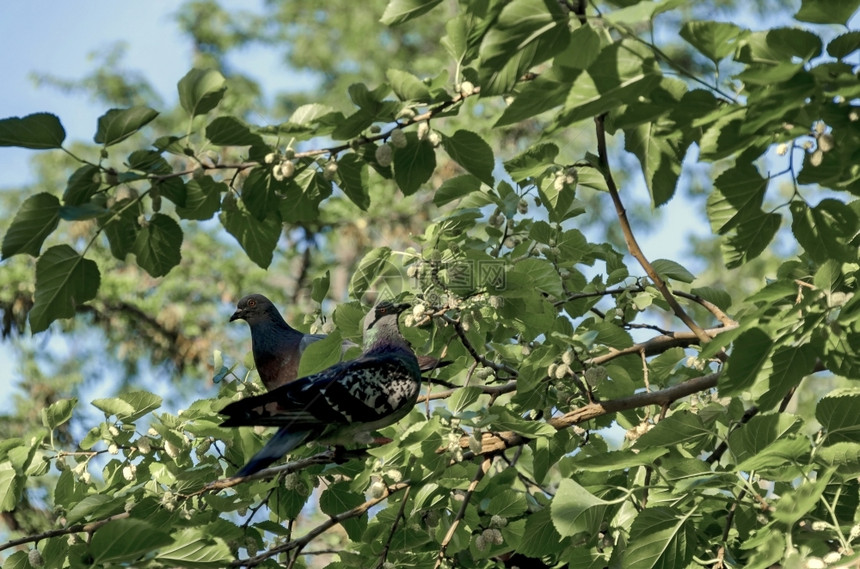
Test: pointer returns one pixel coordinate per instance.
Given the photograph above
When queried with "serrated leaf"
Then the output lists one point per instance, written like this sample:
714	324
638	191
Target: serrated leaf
543	539
371	266
455	188
837	413
672	270
118	124
826	230
320	355
407	87
572	502
64	280
338	498
413	164
759	433
400	11
472	153
230	131
502	419
201	90
193	547
532	162
681	427
739	195
10	488
355	179
58	412
83	184
662	538
462	398
790	364
844	45
543	276
539	25
202	198
257	238
93	506
714	40
660	150
319	287
826	11
618	460
125	540
750	350
35	220
750	238
157	245
121	228
38	131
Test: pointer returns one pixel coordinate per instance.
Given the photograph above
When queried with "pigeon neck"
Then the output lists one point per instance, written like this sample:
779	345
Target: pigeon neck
384	336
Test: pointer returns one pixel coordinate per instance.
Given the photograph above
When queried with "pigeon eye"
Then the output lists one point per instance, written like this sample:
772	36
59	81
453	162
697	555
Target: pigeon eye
252	303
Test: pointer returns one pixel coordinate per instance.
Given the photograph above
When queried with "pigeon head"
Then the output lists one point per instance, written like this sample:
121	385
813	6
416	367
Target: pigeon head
380	325
255	308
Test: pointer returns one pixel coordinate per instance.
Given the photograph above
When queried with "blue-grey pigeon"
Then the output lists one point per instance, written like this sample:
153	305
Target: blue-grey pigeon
278	347
341	404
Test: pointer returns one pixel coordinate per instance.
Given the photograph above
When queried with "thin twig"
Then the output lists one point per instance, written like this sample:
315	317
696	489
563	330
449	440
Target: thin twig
458	328
482	470
630	239
384	555
301	542
88	528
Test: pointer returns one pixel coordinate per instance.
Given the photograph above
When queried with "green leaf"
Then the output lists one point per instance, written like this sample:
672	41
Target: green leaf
752	236
660	150
503	419
83	184
355	179
202	198
230	131
462	398
507	504
10	488
672	270
36	219
125	540
825	231
93	506
64	280
257	238
750	350
796	504
372	265
739	195
543	539
320	287
532	162
400	11
543	276
157	245
320	355
618	460
58	413
681	427
455	188
338	498
195	548
837	413
121	229
130	406
826	11
661	538
524	24
790	365
714	40
201	90
547	91
38	131
844	45
413	164
407	87
759	433
621	74
572	502
472	153
118	124
261	192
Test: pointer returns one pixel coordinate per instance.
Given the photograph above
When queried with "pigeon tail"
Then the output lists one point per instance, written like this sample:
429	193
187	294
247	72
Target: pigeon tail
280	444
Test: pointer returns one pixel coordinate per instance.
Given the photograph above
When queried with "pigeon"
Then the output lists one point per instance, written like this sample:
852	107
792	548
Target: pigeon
339	405
278	347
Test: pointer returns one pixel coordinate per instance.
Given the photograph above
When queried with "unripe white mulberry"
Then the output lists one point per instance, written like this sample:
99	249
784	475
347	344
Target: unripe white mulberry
113	430
377	489
480	543
171	449
558	184
288	169
330	170
383	155
375	129
562	371
551	370
475	444
270	158
826	142
423	130
129	471
467	88
523	206
113	449
398	138
782	149
35	558
567	357
144	445
434	138
498	521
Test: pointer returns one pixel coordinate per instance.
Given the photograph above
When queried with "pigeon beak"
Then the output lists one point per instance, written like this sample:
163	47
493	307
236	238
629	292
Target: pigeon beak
236	315
398	308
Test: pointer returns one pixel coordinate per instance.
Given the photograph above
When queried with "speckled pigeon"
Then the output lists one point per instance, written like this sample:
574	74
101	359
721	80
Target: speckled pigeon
341	404
278	347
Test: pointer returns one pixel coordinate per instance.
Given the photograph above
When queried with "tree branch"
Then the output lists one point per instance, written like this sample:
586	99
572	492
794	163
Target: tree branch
89	527
482	470
630	239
